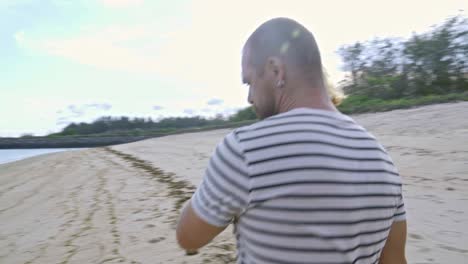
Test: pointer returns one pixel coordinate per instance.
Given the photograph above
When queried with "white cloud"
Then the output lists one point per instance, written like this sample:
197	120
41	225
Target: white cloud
63	121
79	110
19	37
189	111
215	101
115	47
81	113
99	106
75	110
121	3
32	114
207	52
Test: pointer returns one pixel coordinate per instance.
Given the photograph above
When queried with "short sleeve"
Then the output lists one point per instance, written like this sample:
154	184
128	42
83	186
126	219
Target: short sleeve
400	213
223	193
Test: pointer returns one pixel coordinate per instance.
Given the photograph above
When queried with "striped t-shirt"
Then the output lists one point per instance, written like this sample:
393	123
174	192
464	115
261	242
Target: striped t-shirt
305	186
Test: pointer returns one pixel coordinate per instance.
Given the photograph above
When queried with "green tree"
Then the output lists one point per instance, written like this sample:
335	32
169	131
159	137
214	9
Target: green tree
244	115
353	62
435	62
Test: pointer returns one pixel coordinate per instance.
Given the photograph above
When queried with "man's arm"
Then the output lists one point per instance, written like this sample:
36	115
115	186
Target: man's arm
219	199
193	232
394	249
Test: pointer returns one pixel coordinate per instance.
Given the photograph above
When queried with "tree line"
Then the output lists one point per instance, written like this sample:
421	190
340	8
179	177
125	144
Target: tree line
109	124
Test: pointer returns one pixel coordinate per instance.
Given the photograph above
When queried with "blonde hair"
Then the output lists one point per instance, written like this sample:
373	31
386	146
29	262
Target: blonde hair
335	94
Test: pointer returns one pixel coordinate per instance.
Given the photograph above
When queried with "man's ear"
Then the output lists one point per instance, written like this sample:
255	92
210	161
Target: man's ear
275	69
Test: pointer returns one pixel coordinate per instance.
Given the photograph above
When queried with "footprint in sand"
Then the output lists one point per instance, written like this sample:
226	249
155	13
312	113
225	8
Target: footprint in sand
415	236
449	233
455	212
156	240
424	250
454	249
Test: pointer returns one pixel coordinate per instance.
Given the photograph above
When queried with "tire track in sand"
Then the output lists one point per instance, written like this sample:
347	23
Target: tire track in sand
180	191
103	201
32	193
86	224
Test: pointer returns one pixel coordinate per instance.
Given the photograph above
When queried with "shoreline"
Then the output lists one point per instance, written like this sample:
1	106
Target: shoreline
88	141
67	142
13	155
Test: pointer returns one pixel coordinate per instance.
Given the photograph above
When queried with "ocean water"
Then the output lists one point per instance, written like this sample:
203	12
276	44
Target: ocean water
9	155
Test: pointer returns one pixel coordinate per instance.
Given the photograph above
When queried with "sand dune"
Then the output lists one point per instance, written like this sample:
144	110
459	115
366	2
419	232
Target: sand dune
119	204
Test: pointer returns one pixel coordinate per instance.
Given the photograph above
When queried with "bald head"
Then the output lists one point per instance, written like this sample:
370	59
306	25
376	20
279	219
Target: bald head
290	41
282	67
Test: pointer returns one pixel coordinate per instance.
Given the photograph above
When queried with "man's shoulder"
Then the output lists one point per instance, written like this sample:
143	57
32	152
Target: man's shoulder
241	132
260	124
301	116
246	128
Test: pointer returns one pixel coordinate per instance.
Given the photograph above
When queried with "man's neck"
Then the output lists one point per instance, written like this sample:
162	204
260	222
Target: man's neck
314	98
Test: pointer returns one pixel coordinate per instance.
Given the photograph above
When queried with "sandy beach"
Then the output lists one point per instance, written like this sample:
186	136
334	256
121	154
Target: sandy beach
120	204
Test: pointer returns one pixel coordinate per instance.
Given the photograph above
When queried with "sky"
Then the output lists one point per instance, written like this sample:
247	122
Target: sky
64	61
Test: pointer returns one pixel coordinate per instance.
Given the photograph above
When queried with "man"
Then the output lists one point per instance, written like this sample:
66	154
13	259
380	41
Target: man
304	185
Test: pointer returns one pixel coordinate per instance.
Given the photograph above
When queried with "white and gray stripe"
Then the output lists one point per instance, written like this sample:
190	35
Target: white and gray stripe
306	186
